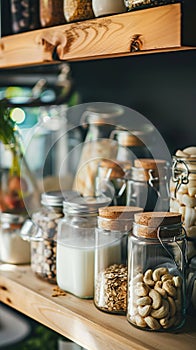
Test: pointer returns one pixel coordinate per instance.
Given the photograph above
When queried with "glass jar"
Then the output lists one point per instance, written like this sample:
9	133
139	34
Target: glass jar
148	185
114	224
51	12
183	193
76	245
76	10
191	282
156	272
43	235
131	144
25	15
111	180
138	4
13	249
102	7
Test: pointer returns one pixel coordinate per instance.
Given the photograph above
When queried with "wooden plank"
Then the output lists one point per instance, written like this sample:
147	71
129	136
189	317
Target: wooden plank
80	320
150	29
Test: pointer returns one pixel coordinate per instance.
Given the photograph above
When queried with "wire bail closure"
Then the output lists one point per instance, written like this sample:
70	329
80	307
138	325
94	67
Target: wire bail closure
180	177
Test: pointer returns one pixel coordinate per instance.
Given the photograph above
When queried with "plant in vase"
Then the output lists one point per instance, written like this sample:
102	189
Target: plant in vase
17	184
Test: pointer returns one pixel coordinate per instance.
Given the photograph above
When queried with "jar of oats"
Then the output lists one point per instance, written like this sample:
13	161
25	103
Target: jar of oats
114	224
76	10
51	12
139	4
156	272
183	192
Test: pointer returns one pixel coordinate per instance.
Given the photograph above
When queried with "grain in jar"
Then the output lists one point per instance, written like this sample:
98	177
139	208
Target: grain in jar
76	10
114	224
139	4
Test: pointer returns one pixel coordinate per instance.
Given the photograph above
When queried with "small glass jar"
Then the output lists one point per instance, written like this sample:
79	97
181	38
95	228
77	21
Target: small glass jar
183	193
156	272
43	236
131	144
114	224
51	12
148	185
13	249
111	180
76	10
76	246
139	4
109	7
24	15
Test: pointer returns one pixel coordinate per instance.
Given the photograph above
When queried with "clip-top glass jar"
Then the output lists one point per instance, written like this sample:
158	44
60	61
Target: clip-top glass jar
13	249
114	224
111	180
156	272
148	186
44	233
76	245
183	193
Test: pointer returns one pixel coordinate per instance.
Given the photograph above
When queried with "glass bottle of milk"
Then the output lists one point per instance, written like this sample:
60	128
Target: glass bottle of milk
76	245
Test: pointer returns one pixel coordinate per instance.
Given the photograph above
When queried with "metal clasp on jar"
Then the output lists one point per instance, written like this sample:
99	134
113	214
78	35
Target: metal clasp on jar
180	176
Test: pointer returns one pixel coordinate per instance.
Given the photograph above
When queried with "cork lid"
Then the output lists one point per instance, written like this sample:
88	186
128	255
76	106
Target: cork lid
148	163
149	222
119	212
127	139
118	168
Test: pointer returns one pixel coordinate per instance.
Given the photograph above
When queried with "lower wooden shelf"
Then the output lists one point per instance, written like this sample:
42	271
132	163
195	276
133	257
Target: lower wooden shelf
79	320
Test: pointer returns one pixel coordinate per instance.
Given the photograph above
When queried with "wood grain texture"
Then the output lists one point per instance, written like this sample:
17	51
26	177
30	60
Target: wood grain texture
139	31
79	320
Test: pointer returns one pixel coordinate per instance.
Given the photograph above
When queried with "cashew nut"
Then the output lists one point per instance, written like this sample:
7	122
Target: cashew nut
158	287
156	298
137	278
177	281
172	306
157	273
164	321
152	323
166	277
140	321
170	289
170	322
162	311
144	310
148	278
141	289
143	301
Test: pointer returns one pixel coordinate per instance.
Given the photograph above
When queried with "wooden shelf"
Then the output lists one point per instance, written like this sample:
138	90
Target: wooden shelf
79	320
158	29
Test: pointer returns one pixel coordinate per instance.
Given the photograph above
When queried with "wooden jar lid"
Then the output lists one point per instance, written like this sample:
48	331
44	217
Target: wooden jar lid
127	139
149	222
118	218
118	167
148	163
119	212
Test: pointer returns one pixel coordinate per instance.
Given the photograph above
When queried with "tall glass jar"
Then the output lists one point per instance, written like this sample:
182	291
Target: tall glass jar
76	10
183	193
156	272
51	12
138	4
76	245
13	249
148	185
43	236
114	224
111	180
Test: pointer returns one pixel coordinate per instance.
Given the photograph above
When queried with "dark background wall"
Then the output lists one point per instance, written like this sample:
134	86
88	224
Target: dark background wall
161	86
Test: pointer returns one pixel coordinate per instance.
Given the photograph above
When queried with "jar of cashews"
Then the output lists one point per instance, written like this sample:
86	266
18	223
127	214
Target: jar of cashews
156	272
183	192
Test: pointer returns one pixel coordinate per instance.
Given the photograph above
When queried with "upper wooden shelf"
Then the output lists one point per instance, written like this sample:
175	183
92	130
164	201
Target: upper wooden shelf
165	28
79	320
